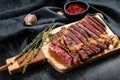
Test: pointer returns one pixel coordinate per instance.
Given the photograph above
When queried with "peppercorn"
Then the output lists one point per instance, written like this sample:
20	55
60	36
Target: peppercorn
30	19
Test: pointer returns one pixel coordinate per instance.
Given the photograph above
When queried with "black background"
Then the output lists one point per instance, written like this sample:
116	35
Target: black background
14	36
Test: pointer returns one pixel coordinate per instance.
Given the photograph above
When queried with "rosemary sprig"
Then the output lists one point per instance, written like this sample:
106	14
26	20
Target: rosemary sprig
46	35
30	50
25	67
31	45
34	47
27	61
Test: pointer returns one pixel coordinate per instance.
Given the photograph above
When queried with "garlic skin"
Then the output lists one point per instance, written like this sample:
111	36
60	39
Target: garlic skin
60	13
30	19
111	47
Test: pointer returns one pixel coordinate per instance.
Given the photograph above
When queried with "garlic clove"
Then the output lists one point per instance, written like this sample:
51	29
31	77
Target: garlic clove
30	19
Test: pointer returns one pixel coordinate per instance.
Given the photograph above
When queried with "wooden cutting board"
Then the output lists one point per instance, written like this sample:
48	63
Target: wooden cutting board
46	55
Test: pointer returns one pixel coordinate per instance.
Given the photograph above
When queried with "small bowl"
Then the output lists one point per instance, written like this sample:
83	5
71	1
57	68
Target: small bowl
85	5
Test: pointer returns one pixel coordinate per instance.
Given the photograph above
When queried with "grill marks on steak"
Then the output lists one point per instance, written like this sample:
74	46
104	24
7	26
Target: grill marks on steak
88	50
94	24
78	35
91	34
81	31
80	41
71	44
98	22
83	55
69	34
88	26
95	48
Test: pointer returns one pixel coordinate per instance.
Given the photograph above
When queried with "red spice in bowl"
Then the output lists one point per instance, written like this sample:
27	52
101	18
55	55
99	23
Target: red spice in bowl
75	8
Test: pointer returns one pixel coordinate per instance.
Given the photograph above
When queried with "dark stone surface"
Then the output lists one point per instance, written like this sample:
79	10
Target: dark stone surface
14	36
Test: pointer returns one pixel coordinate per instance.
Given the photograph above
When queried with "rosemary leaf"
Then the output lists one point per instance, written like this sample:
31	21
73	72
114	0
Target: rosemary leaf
38	49
23	59
25	67
28	60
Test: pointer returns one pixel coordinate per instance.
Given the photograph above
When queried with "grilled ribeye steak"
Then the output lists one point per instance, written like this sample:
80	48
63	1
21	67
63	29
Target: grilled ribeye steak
81	41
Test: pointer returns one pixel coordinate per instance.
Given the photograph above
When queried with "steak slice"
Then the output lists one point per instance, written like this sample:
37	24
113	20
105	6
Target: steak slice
88	50
80	30
69	34
78	35
98	22
91	34
83	55
60	52
75	56
92	29
102	46
95	48
94	25
72	46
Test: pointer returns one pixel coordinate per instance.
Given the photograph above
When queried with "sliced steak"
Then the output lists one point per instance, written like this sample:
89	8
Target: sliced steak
83	55
73	47
88	50
76	58
99	21
102	45
80	41
95	48
60	52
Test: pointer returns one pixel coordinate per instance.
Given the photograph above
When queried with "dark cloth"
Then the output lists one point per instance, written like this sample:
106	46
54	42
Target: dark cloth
14	36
